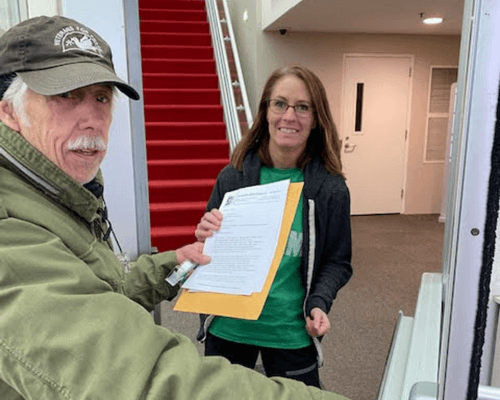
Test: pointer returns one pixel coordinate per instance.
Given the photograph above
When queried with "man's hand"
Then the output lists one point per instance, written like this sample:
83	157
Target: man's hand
192	252
209	223
318	323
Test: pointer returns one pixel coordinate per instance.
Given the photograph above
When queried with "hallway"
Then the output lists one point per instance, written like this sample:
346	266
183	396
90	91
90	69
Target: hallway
390	254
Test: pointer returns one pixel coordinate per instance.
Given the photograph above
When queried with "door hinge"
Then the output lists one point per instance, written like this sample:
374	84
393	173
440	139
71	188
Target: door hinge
410	72
406	134
402	192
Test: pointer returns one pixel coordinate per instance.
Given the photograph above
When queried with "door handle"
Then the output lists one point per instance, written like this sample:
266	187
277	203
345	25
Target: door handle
349	148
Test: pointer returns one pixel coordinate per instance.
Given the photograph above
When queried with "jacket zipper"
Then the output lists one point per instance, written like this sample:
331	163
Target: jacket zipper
29	174
310	269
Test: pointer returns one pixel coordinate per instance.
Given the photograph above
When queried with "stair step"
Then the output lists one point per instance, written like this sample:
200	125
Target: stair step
175	39
178	206
182	96
175	190
185	169
172	237
183	113
185	130
177	214
186	149
180	81
177	52
184	121
167	66
150	26
150	14
173	4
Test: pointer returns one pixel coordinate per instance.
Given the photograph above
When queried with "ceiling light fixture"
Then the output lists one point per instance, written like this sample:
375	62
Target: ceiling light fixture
431	20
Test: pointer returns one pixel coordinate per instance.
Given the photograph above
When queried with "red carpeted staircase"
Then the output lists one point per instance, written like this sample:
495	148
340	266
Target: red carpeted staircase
185	132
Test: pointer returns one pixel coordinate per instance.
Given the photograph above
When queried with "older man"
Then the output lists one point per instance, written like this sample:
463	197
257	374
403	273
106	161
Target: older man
74	321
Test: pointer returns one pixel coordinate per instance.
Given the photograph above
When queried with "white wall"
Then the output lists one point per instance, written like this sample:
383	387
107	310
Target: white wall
323	53
15	11
273	9
43	7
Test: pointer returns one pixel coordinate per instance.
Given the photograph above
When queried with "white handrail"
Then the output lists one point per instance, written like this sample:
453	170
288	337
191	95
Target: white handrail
488	393
241	81
224	72
429	391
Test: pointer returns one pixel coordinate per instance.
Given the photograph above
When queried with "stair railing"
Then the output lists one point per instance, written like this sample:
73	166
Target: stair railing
237	113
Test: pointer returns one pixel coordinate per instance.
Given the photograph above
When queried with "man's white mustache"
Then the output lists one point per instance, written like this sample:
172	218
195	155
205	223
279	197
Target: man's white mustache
87	143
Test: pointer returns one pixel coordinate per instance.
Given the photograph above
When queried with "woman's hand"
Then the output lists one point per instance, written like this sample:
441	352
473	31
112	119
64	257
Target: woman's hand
209	223
317	324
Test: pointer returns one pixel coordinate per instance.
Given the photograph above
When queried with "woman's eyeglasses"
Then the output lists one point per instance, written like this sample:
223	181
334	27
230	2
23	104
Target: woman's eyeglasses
280	107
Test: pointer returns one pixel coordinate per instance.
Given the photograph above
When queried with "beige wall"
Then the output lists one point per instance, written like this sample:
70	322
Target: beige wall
262	52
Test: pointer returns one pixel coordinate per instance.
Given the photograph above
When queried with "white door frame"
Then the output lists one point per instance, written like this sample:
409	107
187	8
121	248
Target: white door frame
408	119
467	198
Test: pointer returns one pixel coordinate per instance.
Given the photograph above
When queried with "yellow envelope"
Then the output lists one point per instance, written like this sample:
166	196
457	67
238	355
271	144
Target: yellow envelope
240	306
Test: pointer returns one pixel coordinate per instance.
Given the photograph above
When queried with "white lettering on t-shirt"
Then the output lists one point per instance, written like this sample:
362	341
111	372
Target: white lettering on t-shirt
294	246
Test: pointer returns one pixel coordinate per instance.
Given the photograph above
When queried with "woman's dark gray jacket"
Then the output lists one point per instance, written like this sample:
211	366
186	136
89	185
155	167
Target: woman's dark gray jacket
326	246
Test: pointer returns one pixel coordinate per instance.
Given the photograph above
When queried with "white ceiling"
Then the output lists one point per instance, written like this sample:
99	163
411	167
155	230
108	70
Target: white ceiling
372	16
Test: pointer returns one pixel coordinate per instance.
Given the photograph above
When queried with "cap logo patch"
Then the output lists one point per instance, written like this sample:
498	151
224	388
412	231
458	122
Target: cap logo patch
77	38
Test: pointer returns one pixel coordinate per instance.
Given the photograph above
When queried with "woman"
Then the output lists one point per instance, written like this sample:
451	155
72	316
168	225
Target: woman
294	138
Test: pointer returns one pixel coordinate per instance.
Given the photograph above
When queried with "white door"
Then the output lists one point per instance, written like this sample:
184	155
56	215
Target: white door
374	123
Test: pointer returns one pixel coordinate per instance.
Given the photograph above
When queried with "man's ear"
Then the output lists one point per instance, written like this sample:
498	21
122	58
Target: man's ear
8	116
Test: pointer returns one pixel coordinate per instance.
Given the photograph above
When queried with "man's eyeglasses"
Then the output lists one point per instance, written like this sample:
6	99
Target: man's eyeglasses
281	106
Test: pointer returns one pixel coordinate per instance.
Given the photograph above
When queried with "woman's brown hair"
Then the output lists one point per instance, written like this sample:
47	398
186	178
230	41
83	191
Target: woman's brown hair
323	141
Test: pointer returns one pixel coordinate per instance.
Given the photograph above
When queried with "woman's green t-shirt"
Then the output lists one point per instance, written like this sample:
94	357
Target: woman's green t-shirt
281	324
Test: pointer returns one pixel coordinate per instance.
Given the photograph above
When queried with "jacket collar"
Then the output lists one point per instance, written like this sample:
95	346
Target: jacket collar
20	156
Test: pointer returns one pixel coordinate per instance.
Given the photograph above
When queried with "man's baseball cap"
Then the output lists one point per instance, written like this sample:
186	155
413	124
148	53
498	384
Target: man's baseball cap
54	55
